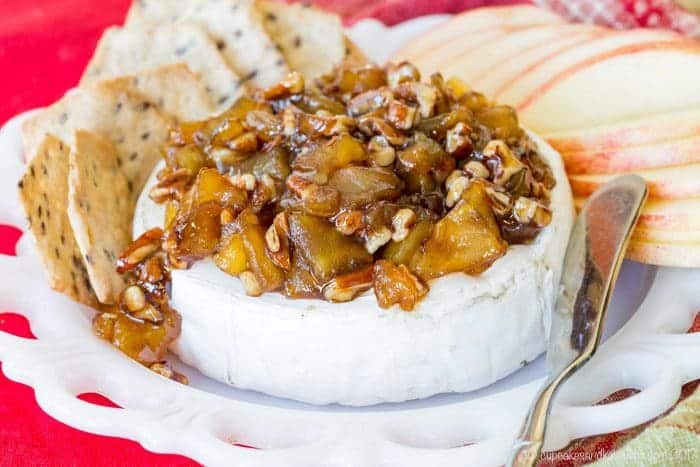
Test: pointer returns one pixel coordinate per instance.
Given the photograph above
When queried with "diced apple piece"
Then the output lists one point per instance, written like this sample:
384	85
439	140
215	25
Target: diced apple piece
402	252
424	164
326	251
212	186
467	239
501	120
241	108
220	128
269	276
227	130
359	186
144	341
341	151
197	233
300	281
274	163
231	255
188	157
352	81
311	102
436	127
171	208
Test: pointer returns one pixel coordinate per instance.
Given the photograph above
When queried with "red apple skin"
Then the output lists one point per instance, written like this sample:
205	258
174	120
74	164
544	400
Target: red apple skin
642	234
665	215
671	44
665	254
679	182
504	81
508	57
631	146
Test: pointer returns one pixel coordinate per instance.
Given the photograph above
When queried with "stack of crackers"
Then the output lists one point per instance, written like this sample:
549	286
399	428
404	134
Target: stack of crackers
90	154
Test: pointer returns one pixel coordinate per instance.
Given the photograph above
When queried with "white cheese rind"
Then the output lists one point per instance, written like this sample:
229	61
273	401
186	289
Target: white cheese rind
465	334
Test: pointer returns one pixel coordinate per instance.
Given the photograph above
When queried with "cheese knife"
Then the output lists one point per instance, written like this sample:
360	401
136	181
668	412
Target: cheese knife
593	257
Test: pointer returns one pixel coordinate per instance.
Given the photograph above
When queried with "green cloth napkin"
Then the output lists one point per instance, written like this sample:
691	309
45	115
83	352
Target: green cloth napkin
671	441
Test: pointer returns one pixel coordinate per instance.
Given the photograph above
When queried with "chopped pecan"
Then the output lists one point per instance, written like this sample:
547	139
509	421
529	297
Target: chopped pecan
402	116
319	200
381	153
171	185
502	161
501	202
455	189
326	124
349	222
457	141
376	126
377	239
370	101
345	287
397	285
277	241
423	94
147	244
244	181
401	72
401	223
526	211
134	298
476	169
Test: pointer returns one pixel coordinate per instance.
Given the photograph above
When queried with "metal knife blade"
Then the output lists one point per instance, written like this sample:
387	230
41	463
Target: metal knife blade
595	252
593	257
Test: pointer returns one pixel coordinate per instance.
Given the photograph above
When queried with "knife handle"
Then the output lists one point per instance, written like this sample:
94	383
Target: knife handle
528	446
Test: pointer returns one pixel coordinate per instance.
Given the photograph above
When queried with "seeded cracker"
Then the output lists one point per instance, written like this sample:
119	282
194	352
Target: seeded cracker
130	50
99	211
44	194
235	25
175	90
135	127
310	39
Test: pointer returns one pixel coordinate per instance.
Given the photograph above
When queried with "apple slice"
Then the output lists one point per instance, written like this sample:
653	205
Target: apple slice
657	141
666	236
607	41
508	71
678	182
475	21
487	62
665	254
432	60
667	215
633	80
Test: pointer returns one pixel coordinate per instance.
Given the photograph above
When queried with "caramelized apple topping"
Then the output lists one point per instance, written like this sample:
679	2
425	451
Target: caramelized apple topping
142	324
367	178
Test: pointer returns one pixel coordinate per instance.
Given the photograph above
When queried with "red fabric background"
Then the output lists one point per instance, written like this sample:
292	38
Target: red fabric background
44	46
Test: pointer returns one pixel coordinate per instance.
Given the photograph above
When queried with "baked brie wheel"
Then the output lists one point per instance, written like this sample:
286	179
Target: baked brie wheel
466	333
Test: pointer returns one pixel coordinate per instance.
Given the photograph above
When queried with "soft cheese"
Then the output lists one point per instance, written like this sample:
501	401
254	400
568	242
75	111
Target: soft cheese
468	332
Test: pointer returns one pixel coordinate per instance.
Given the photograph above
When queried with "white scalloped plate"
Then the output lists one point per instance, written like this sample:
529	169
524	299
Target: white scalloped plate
208	421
